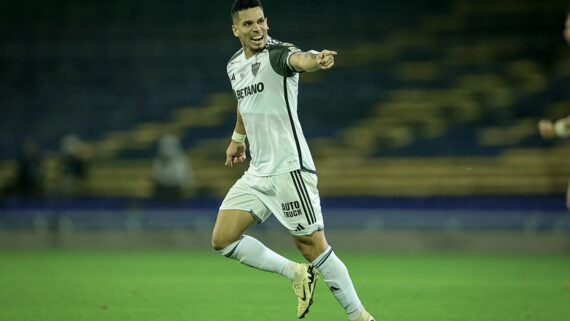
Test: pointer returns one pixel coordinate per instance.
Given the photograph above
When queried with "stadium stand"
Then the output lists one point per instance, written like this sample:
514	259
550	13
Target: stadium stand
427	99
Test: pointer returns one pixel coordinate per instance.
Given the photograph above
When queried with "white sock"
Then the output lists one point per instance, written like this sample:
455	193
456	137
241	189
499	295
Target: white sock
250	251
339	282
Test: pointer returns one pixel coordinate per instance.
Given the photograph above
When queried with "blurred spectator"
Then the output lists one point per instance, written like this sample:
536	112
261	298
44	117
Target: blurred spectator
29	179
172	170
73	165
560	128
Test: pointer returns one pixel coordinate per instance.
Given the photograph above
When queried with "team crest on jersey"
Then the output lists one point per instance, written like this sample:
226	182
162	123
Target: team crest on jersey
255	68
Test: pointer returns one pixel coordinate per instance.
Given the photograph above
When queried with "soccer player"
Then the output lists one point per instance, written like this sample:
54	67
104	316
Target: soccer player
561	127
281	178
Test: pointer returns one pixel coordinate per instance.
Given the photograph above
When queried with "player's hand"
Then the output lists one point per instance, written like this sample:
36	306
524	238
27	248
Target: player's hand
325	59
235	153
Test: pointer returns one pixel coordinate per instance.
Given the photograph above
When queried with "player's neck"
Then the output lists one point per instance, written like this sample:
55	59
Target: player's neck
250	53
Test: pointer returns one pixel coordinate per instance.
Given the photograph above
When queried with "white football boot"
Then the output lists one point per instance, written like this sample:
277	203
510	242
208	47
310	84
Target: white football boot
304	282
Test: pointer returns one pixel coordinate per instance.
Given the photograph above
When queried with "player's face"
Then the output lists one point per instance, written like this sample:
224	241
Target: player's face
250	26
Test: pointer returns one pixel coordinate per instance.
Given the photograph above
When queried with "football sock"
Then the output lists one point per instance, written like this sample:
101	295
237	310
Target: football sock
339	282
250	251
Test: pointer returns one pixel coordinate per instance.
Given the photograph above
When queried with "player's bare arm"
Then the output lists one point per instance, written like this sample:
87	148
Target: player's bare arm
235	153
312	61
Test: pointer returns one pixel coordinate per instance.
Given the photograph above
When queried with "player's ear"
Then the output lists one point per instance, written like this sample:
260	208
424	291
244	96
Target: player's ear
235	31
266	23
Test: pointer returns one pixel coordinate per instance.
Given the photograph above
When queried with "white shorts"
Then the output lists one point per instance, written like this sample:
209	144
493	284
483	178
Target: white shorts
292	197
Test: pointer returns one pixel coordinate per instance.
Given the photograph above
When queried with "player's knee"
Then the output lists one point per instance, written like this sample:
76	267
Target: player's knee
218	246
220	242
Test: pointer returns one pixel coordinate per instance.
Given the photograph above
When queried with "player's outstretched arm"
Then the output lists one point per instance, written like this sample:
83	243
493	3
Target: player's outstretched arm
312	60
235	153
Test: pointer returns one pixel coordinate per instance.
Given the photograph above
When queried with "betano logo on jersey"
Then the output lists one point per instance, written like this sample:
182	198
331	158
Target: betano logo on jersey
249	90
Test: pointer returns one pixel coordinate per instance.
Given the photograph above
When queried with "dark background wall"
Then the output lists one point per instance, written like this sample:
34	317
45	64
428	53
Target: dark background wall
89	68
431	105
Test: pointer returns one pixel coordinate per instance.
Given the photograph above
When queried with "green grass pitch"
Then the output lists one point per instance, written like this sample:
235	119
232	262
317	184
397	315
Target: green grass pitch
192	285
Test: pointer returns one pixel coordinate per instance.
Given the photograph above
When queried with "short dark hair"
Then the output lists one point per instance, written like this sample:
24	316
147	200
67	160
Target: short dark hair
240	5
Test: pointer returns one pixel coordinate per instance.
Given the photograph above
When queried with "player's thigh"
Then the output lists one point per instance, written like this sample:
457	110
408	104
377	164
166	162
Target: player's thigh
229	227
240	209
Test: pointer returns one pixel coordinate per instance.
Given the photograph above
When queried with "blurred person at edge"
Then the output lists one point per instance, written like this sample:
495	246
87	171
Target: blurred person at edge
561	127
172	170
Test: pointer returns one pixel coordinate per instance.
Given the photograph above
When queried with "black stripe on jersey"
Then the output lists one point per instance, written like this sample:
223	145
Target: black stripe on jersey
305	200
306	194
294	130
292	123
318	265
308	170
300	198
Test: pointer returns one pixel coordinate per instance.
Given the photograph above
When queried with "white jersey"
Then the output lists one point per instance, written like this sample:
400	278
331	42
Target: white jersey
266	89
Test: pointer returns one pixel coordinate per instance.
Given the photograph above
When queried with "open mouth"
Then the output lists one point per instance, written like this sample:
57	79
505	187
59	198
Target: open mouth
257	39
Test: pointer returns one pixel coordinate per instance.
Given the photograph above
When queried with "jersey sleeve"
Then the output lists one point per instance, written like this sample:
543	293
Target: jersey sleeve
279	56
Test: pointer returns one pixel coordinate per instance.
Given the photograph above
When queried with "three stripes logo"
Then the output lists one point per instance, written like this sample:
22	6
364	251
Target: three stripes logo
303	197
299	228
